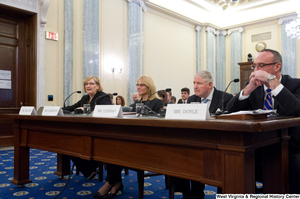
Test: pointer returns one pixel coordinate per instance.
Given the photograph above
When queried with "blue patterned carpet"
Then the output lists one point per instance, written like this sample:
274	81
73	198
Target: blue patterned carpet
46	185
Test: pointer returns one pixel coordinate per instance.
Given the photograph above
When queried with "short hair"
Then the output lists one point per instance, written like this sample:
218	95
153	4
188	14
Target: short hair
206	75
163	94
122	100
174	98
276	56
185	89
170	92
148	81
97	81
110	95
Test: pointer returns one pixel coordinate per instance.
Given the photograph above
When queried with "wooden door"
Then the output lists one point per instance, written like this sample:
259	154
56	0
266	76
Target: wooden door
245	71
17	67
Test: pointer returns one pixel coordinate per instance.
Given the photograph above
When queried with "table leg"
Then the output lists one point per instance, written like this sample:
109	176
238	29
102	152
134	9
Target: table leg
63	165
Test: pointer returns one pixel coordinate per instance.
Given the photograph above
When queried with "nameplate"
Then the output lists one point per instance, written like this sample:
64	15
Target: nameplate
52	111
108	111
27	110
187	112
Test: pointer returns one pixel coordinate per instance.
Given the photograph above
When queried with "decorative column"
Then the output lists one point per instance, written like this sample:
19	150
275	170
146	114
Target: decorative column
288	51
68	50
135	45
220	60
198	48
91	40
210	47
235	55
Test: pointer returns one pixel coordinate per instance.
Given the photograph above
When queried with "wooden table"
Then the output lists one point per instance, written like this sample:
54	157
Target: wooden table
216	152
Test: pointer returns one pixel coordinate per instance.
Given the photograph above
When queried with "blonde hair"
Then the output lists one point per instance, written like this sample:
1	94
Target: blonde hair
97	81
148	81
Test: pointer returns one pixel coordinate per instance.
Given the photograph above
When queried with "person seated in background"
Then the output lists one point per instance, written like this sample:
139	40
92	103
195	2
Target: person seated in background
169	96
268	89
111	96
173	99
145	86
95	96
120	100
185	93
163	96
204	93
135	96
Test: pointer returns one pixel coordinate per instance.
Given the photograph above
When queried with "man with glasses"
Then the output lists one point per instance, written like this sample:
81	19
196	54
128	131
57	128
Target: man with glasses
269	89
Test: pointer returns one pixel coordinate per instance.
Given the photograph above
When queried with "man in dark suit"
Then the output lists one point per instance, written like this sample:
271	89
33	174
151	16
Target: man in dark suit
206	93
185	93
285	92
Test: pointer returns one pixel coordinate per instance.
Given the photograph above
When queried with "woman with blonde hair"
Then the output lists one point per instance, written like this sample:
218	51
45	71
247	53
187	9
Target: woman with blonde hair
145	86
95	95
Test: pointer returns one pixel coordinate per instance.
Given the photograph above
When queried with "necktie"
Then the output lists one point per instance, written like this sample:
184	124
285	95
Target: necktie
184	102
205	101
268	100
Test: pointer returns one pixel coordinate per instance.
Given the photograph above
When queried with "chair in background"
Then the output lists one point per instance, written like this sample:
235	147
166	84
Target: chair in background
126	109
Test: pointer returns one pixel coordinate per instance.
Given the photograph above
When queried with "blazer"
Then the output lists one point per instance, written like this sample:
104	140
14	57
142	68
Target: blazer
216	100
287	103
155	105
99	98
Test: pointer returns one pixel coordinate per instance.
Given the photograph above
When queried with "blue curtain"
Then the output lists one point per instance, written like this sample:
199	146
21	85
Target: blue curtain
90	61
220	62
288	52
68	50
210	57
198	49
134	48
236	57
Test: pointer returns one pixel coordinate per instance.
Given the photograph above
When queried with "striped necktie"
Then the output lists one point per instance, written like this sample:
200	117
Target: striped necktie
268	100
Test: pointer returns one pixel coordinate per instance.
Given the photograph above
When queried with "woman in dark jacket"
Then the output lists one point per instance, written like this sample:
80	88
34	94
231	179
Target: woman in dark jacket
145	86
95	96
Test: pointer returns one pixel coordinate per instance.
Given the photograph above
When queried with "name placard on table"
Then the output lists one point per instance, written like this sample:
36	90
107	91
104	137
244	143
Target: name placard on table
27	110
187	111
108	111
52	111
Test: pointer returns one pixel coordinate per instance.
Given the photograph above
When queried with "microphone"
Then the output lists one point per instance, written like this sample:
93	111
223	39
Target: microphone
147	102
167	90
222	110
70	96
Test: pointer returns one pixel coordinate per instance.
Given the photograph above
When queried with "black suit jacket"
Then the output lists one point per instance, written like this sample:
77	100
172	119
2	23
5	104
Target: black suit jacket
99	98
155	104
287	103
216	100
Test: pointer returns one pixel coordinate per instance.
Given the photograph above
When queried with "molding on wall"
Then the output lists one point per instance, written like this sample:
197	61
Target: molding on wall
210	29
286	19
240	29
221	32
198	28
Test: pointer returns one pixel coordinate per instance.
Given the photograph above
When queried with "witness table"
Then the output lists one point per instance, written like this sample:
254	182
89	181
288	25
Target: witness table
216	152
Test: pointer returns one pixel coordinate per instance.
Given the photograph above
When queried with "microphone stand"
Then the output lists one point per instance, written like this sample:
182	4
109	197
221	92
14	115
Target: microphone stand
69	97
222	110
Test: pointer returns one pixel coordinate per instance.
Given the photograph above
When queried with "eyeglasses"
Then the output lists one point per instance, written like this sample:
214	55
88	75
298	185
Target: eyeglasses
140	85
261	65
91	84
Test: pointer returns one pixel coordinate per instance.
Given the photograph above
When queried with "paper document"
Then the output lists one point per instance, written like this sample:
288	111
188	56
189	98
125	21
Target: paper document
255	112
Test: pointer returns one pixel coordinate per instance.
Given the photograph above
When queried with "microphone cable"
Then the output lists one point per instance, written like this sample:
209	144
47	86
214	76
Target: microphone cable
64	187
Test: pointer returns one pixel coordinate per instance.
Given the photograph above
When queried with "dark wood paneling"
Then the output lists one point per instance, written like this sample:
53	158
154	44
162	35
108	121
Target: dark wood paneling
245	71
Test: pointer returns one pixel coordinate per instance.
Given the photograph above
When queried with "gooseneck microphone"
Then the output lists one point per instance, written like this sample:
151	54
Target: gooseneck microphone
70	96
146	108
222	110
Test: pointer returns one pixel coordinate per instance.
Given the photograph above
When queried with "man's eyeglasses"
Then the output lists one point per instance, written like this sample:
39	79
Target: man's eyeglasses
140	85
91	84
261	65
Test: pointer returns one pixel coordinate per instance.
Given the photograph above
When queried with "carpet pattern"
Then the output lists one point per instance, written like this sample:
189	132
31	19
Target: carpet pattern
46	185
